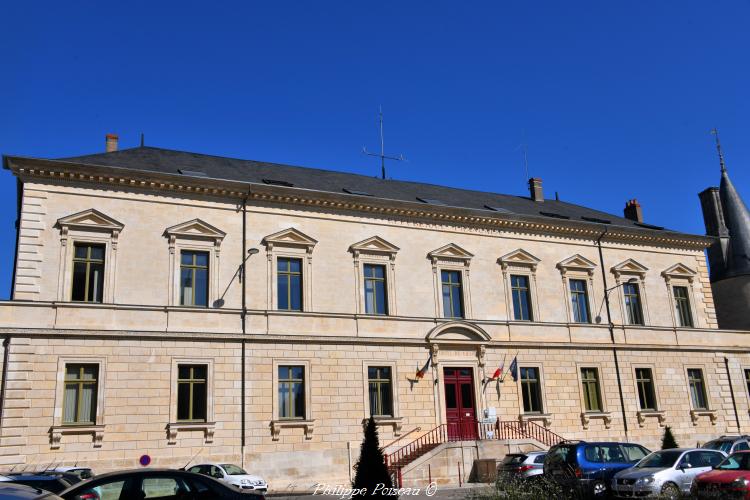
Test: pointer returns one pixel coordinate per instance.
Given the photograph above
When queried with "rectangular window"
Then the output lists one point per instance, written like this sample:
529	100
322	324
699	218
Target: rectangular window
453	302
633	303
292	392
289	283
646	392
519	287
580	300
531	388
88	272
697	389
192	393
81	385
193	278
375	289
682	306
381	397
592	396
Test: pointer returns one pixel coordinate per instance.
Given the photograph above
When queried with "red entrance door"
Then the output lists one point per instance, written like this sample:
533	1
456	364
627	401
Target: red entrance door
459	403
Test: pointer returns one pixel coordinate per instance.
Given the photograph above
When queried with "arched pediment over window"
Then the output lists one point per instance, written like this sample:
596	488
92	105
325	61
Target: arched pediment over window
458	332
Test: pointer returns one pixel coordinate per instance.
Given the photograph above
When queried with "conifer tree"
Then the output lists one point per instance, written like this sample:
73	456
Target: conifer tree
668	441
371	469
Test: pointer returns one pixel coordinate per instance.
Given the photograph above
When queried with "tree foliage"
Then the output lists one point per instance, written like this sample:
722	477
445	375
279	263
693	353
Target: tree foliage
371	468
668	442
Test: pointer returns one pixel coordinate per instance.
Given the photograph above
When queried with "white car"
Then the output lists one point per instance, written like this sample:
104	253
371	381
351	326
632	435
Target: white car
231	474
82	472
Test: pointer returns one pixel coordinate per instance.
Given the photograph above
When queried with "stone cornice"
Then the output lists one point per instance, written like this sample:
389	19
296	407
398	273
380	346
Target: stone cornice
63	171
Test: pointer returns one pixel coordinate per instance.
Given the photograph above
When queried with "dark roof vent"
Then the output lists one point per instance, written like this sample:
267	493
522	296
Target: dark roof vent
498	209
431	201
354	191
649	226
192	173
275	182
596	219
553	214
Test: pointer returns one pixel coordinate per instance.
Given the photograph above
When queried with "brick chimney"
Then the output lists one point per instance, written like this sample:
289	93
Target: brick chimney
633	210
111	142
535	189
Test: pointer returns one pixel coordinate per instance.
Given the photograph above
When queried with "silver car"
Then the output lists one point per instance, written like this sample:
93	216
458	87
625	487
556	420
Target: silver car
520	466
665	473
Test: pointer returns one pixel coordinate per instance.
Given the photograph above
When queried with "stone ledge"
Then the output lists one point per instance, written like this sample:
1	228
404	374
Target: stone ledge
56	433
586	417
644	414
277	425
696	414
386	421
545	418
174	427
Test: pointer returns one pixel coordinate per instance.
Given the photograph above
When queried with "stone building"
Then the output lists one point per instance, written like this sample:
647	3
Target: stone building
728	221
135	328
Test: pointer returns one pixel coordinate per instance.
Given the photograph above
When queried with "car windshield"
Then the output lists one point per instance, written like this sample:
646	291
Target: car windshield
736	461
724	446
233	470
660	459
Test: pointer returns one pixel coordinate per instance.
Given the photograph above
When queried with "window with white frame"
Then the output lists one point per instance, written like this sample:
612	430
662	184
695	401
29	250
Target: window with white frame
519	276
679	280
450	269
289	254
374	275
630	277
577	274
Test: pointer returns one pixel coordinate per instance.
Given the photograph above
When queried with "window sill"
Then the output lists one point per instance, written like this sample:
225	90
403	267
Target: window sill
586	417
57	431
207	427
277	425
644	414
385	421
545	418
695	415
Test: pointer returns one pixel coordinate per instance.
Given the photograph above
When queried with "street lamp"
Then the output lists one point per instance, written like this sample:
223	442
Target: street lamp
598	318
240	274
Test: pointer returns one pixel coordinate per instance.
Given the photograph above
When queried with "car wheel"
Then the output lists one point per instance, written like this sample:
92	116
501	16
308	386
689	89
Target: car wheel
599	489
670	491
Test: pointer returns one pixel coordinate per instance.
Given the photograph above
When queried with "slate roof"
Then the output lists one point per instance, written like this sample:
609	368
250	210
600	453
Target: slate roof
151	159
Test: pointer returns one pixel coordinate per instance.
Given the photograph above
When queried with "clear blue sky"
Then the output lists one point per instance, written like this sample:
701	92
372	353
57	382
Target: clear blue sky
615	99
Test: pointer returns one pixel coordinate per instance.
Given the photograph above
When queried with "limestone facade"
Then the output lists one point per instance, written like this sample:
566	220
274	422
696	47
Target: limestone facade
139	334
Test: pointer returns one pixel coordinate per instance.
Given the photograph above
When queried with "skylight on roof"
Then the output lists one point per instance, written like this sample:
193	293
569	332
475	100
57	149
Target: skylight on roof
354	191
555	215
498	209
276	182
193	173
431	201
596	219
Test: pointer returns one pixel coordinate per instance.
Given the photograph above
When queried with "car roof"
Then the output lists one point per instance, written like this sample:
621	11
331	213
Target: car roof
34	475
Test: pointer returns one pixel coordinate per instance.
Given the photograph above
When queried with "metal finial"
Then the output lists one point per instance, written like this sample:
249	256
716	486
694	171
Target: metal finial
382	154
718	148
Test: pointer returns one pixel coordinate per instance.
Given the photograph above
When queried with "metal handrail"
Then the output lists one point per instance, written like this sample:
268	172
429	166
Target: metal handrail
416	429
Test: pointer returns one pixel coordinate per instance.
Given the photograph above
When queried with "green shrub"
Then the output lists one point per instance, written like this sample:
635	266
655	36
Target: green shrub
668	442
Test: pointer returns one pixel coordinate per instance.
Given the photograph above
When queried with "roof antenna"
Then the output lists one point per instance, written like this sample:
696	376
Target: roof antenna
718	148
524	150
382	154
141	139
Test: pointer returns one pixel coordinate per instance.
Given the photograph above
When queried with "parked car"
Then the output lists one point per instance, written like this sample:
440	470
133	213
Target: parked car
54	483
231	474
153	483
586	468
82	472
729	479
729	444
15	491
665	473
521	466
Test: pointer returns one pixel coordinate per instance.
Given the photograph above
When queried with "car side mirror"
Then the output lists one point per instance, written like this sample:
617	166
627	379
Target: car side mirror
685	465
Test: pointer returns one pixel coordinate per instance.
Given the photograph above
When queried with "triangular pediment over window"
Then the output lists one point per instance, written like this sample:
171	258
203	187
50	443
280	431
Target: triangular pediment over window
451	251
577	263
679	271
518	257
90	219
290	237
375	244
195	228
629	266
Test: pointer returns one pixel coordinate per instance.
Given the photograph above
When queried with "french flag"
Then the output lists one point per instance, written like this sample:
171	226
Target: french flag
499	372
421	373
